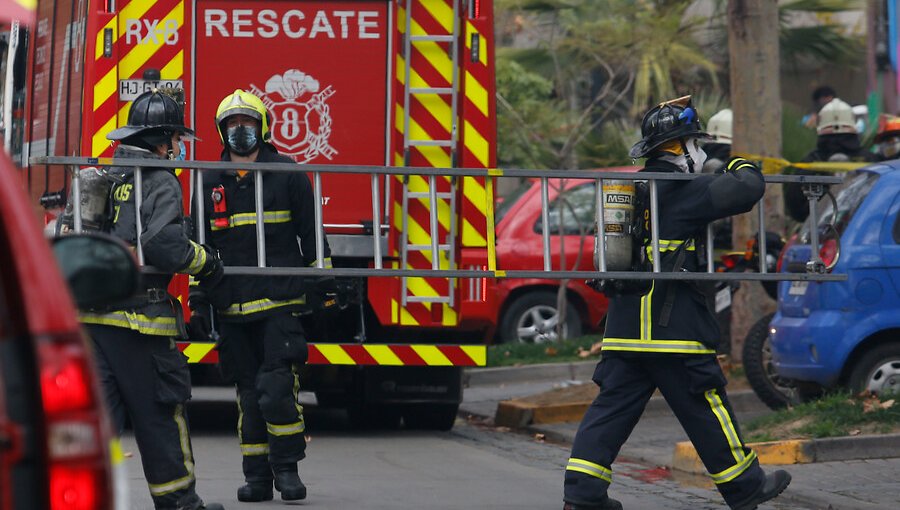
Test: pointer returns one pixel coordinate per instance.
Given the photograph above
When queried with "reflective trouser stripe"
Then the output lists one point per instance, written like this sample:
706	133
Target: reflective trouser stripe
287	429
589	468
161	489
734	471
260	305
249	450
731	434
159	326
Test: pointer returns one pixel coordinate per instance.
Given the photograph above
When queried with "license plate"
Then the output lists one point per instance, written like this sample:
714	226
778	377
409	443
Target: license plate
129	90
798	288
723	299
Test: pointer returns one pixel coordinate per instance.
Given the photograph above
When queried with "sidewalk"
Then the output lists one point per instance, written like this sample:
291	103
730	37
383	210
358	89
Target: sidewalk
851	485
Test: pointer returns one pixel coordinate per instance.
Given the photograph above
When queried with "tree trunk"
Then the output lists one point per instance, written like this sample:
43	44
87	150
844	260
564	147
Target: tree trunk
756	103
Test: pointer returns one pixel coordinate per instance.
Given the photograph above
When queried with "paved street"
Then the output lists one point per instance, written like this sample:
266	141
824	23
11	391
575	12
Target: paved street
473	467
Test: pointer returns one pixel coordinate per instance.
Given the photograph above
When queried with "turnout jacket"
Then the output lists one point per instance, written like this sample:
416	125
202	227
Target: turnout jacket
685	208
164	241
289	214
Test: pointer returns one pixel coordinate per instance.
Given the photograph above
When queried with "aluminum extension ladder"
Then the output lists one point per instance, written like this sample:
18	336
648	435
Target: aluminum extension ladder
435	248
814	187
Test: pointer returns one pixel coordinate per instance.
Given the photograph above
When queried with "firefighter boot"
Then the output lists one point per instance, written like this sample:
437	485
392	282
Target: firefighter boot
254	492
192	501
288	483
774	485
607	504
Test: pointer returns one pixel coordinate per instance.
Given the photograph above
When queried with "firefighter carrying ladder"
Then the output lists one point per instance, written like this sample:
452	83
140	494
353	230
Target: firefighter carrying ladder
815	187
435	44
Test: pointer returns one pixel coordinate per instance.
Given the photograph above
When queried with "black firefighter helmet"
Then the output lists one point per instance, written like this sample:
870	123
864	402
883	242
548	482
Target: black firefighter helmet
667	121
153	113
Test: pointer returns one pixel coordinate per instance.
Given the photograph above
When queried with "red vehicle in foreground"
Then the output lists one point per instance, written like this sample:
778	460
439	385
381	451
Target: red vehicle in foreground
527	310
56	446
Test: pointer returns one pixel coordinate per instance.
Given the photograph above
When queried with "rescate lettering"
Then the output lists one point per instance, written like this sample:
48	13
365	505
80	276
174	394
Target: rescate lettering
294	24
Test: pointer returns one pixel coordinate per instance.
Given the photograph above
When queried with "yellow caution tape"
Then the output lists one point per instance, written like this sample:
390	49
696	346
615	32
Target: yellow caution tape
777	165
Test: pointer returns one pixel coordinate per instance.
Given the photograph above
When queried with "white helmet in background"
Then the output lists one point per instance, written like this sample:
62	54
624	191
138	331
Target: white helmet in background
836	117
719	126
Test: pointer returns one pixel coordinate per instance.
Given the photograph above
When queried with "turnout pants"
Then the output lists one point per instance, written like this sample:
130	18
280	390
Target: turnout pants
262	359
693	386
146	378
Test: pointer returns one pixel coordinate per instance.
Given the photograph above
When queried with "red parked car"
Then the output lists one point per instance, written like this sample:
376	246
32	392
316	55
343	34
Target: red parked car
56	446
528	311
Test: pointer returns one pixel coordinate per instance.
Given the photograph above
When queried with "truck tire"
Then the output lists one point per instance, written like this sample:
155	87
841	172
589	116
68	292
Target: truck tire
373	417
431	416
878	371
532	318
775	392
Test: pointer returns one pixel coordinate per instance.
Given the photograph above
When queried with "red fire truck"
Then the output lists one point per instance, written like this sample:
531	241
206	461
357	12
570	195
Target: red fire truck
348	82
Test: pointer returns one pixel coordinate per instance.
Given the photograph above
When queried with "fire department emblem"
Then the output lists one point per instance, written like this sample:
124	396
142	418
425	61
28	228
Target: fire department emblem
301	122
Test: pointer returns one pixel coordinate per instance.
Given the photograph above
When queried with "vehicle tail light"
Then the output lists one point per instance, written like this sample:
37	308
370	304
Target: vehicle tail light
78	459
828	252
784	250
730	260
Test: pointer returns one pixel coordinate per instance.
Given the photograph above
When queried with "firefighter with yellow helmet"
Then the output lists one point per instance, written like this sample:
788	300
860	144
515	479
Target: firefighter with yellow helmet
262	340
661	334
143	374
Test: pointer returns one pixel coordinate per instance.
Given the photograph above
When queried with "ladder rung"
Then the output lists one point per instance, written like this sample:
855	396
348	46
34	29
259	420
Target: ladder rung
432	38
424	194
431	143
431	90
428	299
427	247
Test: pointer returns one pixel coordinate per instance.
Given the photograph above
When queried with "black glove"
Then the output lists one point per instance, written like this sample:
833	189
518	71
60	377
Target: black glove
200	325
324	295
212	271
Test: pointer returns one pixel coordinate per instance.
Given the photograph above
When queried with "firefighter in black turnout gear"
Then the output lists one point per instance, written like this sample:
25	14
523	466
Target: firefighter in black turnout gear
263	344
142	372
664	335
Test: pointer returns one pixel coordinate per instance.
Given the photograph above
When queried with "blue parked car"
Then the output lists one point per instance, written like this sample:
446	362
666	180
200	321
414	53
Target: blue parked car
846	334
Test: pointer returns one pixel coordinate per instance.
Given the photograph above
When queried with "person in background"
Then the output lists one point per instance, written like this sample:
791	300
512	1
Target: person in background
887	138
837	141
821	96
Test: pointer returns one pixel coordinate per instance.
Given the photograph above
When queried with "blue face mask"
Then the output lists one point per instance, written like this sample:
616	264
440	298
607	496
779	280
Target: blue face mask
242	139
182	152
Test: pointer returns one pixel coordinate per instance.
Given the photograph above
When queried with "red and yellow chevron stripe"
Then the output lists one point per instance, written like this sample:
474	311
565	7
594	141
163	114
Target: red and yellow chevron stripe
368	354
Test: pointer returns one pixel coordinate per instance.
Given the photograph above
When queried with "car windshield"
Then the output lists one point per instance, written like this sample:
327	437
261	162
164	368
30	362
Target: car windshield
576	205
849	195
510	200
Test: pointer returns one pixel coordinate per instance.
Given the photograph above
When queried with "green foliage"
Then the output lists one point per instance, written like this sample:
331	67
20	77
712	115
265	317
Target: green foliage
796	139
509	354
834	415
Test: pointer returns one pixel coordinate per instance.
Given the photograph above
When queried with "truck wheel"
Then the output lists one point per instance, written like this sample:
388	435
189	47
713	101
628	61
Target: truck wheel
373	417
877	371
532	319
774	391
431	416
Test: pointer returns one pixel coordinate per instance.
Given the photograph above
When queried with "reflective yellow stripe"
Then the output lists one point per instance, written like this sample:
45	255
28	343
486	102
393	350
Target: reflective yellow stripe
589	468
162	326
646	315
670	245
198	261
734	471
296	393
244	219
250	450
731	434
286	430
673	346
161	489
326	263
260	305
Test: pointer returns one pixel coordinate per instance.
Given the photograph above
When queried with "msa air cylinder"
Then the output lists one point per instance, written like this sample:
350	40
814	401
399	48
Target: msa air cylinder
618	211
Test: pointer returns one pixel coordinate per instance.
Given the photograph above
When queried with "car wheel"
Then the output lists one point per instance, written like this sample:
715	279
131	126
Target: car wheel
532	318
773	390
877	371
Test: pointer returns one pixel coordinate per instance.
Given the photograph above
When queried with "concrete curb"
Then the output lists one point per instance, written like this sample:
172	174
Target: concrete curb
802	451
575	371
